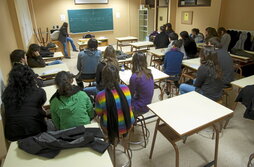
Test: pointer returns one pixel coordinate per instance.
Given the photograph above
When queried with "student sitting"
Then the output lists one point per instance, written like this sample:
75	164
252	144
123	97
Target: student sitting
225	61
208	81
224	37
87	62
69	106
169	29
109	56
209	33
161	40
113	104
189	44
173	60
34	58
197	36
18	57
23	101
141	84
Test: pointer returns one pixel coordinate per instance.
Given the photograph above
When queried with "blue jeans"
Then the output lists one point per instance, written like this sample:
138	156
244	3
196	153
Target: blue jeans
55	62
68	39
185	88
91	90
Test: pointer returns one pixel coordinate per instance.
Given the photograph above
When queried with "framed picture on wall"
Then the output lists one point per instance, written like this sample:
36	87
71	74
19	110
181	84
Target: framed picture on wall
187	17
193	3
81	2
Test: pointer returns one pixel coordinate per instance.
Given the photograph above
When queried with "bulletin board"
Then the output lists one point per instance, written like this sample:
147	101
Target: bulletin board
187	17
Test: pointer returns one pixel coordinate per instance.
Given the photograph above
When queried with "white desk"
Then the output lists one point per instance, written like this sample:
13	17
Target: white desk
241	83
158	52
50	90
76	157
185	115
157	75
142	44
120	40
102	48
49	71
192	63
156	57
57	56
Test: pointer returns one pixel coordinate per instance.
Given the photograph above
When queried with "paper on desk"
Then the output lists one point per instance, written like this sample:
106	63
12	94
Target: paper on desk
195	66
52	71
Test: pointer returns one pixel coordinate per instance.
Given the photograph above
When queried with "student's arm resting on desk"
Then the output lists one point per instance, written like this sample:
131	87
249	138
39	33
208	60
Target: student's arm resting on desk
201	77
38	62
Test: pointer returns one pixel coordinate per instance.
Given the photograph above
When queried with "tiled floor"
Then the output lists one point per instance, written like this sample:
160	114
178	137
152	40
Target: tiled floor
236	142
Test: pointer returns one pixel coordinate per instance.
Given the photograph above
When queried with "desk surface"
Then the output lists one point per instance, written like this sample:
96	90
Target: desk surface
192	63
241	83
76	157
158	52
56	56
142	44
188	112
129	38
98	39
50	70
200	45
157	75
125	60
239	57
102	48
50	90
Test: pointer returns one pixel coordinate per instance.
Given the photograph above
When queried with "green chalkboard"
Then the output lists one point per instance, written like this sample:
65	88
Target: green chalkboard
87	20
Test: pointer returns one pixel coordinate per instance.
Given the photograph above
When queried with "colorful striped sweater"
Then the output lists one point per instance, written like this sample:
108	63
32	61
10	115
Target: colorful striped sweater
101	109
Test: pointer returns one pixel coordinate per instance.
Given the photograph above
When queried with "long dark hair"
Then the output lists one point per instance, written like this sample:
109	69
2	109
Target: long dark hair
110	56
210	32
64	85
32	48
209	58
110	78
139	65
20	83
92	44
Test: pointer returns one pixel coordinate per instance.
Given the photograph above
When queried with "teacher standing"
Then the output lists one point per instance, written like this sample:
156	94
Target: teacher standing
64	38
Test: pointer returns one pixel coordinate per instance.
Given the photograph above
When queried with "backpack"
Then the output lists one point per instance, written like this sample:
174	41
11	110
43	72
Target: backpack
55	35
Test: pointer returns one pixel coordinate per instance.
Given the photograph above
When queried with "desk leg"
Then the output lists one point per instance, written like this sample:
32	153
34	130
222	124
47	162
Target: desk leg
154	137
216	145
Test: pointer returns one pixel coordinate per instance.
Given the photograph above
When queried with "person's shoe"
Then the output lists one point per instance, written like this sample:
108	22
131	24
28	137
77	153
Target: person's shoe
76	50
67	57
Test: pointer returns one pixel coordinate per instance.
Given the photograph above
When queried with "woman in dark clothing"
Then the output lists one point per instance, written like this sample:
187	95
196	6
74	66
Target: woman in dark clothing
209	76
189	45
209	33
34	58
23	102
161	40
64	38
169	29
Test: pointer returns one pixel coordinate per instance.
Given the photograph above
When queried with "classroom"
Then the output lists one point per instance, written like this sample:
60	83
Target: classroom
121	83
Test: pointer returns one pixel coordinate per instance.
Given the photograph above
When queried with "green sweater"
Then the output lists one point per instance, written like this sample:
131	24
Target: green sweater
71	111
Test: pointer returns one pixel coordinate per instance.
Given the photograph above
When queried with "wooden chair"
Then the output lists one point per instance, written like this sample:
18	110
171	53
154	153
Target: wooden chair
140	121
89	81
250	159
124	141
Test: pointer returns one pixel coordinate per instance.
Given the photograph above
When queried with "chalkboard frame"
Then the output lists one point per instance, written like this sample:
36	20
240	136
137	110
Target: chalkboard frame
110	28
92	2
